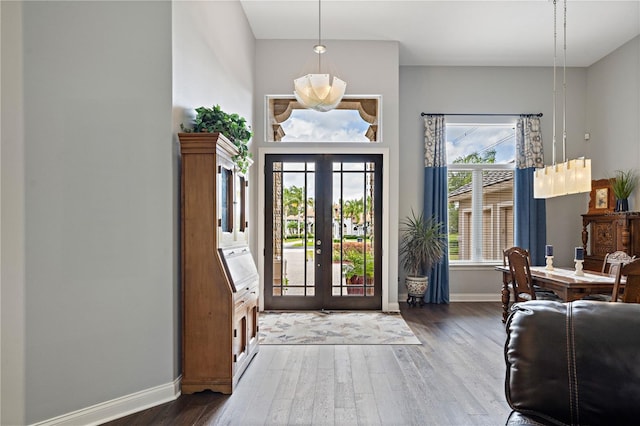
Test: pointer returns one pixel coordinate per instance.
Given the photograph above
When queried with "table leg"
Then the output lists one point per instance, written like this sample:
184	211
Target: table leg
505	297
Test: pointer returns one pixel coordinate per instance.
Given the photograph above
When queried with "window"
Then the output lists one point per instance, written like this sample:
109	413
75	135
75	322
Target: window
481	161
353	120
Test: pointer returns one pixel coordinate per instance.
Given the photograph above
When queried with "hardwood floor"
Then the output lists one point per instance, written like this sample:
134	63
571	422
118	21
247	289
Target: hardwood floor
456	377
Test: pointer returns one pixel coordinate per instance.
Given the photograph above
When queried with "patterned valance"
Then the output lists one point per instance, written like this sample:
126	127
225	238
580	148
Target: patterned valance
435	154
529	143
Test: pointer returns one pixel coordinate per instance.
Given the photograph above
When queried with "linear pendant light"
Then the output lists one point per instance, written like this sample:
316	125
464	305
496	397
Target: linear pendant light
314	91
572	176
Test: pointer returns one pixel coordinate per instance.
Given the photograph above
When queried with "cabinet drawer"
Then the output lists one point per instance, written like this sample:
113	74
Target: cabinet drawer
244	295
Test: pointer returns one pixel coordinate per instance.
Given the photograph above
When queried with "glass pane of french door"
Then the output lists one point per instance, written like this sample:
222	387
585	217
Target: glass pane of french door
322	232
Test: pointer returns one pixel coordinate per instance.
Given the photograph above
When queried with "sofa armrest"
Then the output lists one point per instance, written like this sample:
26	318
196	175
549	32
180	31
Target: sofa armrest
574	363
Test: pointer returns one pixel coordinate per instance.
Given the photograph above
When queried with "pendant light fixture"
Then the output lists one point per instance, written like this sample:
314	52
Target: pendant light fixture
314	91
572	176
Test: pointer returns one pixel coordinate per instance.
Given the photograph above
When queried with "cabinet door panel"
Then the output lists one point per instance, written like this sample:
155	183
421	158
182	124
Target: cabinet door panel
240	336
225	200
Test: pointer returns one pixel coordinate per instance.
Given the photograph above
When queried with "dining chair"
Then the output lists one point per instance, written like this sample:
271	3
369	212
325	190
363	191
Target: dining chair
612	262
610	265
631	291
521	280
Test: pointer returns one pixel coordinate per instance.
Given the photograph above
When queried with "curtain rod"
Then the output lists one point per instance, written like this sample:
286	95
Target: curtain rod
422	114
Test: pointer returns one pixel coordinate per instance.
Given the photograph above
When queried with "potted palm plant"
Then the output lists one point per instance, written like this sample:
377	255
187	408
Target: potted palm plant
623	184
422	245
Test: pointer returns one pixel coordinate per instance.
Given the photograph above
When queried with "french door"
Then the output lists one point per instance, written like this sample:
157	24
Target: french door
323	231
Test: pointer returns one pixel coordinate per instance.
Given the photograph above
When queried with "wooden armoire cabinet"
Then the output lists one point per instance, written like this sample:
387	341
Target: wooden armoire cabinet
219	277
607	232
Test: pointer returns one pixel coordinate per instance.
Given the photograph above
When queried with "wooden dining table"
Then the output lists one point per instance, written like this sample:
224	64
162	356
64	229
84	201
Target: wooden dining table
563	281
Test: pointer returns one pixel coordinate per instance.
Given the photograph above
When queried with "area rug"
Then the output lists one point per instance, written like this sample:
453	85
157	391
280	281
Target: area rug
334	328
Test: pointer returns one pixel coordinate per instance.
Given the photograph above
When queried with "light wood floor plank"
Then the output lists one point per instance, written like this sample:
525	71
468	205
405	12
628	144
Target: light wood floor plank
455	377
302	406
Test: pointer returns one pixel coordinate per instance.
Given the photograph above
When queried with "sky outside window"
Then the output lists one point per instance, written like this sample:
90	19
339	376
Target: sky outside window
466	139
338	125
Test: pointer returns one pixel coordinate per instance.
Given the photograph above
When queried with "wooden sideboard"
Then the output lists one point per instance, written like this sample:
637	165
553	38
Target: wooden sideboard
606	232
220	283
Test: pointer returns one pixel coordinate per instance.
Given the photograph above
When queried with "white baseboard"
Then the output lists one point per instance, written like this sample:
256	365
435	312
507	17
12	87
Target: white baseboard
466	297
119	407
393	307
475	297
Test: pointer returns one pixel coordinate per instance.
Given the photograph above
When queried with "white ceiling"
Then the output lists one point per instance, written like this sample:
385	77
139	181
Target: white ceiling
454	32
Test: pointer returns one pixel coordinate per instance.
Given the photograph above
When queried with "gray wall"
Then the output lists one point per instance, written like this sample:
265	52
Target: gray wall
12	187
213	59
98	248
369	68
90	241
613	113
492	90
207	70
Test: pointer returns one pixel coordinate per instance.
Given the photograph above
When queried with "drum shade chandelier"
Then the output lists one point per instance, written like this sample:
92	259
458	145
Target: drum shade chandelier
572	176
314	91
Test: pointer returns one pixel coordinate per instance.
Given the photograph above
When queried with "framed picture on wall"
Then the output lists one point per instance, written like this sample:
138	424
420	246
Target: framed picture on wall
602	199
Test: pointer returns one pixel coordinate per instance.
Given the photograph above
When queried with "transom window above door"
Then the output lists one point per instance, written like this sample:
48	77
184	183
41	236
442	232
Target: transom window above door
355	119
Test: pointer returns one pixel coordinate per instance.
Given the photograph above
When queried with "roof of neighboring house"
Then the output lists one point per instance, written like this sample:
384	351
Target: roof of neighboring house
489	178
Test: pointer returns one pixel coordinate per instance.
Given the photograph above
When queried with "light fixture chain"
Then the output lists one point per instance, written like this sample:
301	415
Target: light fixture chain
319	36
319	22
564	88
555	54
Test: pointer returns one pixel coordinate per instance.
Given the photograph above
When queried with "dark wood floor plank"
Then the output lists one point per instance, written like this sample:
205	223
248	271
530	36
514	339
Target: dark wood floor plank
455	377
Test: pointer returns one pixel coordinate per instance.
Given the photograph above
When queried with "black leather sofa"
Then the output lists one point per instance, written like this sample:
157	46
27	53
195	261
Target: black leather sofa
574	363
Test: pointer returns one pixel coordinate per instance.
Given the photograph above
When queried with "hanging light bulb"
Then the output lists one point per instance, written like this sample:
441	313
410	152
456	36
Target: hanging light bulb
316	91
